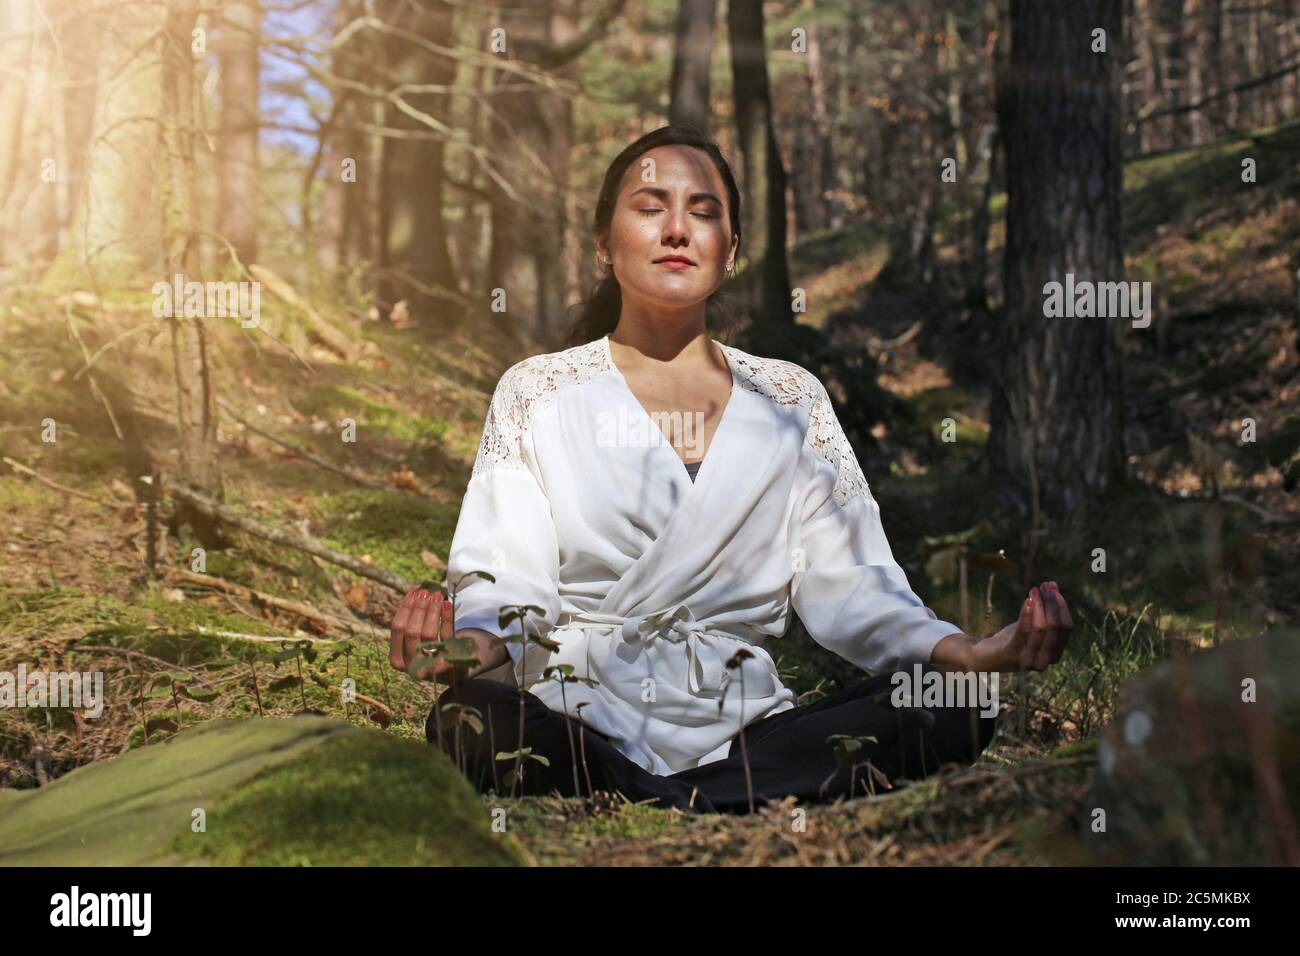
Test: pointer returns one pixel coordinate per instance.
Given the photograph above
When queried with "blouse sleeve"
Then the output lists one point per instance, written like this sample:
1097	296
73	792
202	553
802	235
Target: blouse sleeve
851	594
505	526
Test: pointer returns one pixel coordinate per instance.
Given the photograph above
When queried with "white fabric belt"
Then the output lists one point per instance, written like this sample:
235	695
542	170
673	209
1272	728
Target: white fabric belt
677	625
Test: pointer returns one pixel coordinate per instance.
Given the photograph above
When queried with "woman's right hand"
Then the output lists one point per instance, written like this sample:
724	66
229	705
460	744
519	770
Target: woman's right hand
422	617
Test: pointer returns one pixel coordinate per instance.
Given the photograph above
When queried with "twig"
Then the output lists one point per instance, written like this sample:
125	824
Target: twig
283	604
322	329
58	487
137	655
348	473
290	539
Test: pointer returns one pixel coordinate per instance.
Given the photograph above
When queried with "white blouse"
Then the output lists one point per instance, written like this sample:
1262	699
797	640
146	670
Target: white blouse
649	582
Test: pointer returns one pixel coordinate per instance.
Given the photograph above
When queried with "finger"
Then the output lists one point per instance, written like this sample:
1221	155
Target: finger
1066	621
1037	632
1065	625
1019	633
411	636
397	631
448	620
1049	651
432	629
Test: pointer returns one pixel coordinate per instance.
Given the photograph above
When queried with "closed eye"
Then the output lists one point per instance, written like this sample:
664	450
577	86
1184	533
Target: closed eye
702	215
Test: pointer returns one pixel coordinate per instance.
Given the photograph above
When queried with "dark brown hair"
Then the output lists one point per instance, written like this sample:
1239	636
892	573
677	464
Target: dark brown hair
598	314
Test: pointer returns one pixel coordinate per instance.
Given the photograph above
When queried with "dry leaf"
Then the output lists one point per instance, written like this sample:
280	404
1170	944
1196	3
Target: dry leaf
405	479
356	598
431	560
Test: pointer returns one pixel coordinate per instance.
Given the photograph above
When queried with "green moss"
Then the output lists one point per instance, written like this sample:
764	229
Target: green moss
363	799
304	790
391	527
334	402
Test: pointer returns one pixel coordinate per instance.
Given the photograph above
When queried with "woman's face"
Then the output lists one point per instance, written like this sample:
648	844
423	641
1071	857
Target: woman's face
671	237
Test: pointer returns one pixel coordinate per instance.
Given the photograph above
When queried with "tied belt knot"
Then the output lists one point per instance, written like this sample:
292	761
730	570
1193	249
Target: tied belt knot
705	644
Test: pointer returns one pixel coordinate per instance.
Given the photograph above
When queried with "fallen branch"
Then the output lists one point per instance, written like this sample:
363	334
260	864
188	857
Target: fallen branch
138	655
303	453
290	539
322	329
206	631
63	488
283	604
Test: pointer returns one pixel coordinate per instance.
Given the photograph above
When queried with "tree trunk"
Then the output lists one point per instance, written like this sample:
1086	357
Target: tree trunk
519	144
237	138
1057	408
822	170
1192	46
416	264
765	282
689	88
554	250
197	452
17	39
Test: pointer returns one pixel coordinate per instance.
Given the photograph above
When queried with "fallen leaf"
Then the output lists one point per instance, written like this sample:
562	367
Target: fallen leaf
431	560
356	598
405	479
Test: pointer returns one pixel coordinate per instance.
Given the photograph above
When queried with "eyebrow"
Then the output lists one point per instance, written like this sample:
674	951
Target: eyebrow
662	194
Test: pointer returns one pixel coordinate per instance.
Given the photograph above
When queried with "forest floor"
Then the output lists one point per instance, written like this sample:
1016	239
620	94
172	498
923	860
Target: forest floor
1183	569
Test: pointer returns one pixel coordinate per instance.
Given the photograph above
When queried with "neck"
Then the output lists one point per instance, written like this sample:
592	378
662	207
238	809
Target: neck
663	335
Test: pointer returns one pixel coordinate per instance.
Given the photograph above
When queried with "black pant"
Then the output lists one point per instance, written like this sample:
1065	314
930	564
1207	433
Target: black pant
788	753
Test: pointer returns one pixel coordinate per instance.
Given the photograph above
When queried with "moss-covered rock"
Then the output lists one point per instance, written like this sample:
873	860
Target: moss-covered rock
1201	764
306	790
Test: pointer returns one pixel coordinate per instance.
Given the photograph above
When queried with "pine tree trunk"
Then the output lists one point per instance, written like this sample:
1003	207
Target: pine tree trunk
237	138
1058	405
765	284
197	451
689	87
416	261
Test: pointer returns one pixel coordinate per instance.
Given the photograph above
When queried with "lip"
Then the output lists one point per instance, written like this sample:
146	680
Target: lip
675	262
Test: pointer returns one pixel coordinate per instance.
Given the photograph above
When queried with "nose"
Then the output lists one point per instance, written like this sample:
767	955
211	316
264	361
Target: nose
675	232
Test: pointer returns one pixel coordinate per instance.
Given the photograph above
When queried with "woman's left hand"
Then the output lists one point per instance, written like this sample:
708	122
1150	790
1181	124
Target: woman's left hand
1036	640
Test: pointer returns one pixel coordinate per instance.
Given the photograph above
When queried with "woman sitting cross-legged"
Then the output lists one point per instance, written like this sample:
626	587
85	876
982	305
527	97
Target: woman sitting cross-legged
663	503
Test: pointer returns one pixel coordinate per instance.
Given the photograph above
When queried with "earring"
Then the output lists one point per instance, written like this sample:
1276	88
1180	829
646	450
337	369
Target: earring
607	260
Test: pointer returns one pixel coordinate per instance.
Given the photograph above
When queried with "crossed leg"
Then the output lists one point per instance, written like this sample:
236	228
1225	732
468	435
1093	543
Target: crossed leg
789	753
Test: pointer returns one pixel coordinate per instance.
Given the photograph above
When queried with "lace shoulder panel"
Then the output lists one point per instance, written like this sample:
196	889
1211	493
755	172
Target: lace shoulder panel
786	383
525	389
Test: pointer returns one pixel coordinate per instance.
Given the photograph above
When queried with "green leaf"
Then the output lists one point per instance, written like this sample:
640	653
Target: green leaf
475	574
202	694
